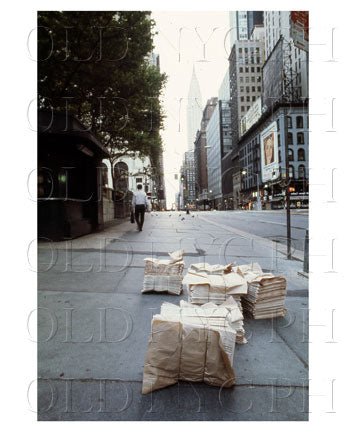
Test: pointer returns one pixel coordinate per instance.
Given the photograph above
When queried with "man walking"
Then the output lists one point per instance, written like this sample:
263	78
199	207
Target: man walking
139	203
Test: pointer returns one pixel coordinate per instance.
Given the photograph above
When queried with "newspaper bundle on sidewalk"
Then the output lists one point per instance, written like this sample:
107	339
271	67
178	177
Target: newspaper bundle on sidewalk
190	343
237	322
163	275
266	293
214	283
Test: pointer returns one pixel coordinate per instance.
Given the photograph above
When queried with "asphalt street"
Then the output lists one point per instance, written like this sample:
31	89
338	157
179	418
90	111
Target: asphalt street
94	325
267	224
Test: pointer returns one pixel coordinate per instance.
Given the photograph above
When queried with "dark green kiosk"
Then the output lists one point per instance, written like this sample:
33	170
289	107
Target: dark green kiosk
69	177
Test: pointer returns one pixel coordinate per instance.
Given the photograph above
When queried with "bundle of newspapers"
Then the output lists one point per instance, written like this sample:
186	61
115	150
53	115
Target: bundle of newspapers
191	343
214	283
266	293
164	275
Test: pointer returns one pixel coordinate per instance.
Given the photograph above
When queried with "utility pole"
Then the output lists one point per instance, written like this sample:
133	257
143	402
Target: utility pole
288	204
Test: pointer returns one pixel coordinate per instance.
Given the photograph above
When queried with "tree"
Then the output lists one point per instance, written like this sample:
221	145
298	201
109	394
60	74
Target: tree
95	65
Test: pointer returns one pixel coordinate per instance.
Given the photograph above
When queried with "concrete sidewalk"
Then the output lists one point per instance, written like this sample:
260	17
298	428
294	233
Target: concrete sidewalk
94	326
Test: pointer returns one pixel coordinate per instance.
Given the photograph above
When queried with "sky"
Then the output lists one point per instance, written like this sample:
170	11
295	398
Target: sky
185	39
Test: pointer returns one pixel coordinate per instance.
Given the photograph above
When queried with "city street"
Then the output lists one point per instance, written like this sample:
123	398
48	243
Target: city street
267	224
94	323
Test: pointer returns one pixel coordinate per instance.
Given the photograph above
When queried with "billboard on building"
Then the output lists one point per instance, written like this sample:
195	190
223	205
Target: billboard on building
251	116
269	153
272	75
299	29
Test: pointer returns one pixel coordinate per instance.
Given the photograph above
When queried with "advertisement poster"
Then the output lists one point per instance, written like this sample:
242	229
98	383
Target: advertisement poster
269	153
251	116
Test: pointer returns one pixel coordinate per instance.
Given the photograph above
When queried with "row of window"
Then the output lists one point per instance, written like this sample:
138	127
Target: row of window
247	88
299	122
248	98
300	139
301	155
246	69
247	79
252	60
292	174
252	50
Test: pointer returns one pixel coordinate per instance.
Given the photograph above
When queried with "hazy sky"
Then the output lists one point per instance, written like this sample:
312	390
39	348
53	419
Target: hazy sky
184	39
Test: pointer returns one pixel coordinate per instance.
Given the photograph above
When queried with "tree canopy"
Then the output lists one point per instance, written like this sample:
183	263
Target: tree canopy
95	64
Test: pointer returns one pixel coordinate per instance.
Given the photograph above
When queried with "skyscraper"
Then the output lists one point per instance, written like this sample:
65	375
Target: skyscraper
194	110
242	23
201	173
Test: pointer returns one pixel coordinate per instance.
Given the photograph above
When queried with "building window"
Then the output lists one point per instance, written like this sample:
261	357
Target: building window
300	138
252	69
299	121
290	155
258	69
301	154
242	109
258	79
253	98
253	79
259	88
290	138
247	89
278	124
289	122
241	89
247	98
240	50
241	79
246	69
291	171
279	156
247	79
301	171
242	99
279	141
241	69
253	88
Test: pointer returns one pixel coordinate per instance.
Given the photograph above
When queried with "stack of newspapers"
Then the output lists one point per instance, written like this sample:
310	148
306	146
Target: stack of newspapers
164	275
213	283
191	343
266	295
236	319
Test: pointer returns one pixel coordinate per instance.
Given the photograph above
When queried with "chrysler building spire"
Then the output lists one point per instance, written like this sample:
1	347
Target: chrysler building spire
194	110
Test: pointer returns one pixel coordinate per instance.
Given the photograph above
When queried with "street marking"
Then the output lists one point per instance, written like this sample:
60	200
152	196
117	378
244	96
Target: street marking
279	223
298	255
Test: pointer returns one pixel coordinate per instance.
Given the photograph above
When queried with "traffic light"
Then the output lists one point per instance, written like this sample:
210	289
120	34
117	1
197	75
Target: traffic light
291	189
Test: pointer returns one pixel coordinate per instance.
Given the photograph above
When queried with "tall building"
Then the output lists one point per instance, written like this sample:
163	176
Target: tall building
225	127
188	179
194	110
214	157
277	24
242	23
245	63
201	173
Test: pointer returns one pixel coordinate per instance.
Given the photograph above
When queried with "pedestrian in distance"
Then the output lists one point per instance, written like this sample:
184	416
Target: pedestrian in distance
139	204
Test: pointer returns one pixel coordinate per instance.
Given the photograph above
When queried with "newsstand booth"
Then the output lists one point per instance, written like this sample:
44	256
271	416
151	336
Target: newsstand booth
69	177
